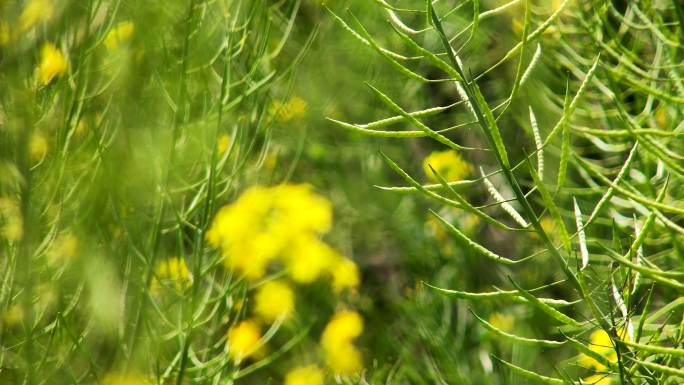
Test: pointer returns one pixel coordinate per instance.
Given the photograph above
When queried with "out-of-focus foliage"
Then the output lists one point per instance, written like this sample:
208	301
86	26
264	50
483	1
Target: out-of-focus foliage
182	202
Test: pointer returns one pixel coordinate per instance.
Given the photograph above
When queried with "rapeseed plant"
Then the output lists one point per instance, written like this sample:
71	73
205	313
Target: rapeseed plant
305	375
52	64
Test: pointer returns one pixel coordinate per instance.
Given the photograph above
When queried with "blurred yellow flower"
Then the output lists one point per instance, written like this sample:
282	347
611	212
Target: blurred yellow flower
597	379
308	258
305	375
243	340
12	221
119	34
52	64
38	147
345	274
601	343
223	143
266	223
337	342
273	300
13	316
448	164
4	33
295	108
65	247
36	11
124	379
502	322
173	270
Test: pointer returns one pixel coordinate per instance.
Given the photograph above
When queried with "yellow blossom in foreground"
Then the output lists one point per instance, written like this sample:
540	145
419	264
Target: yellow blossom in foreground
448	164
52	64
601	343
345	359
337	341
305	375
273	300
118	35
243	339
345	275
174	270
266	223
308	258
36	11
345	326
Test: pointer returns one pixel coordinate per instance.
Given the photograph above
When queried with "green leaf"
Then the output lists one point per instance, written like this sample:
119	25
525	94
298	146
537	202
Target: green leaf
553	209
517	339
531	375
472	245
555	314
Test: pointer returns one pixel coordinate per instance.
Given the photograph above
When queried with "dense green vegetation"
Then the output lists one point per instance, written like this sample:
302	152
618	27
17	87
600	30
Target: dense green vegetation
352	192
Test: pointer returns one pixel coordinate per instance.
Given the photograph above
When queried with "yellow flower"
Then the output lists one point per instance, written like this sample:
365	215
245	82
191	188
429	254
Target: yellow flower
273	300
65	247
124	379
597	379
601	343
295	108
52	64
345	326
337	342
223	143
36	11
38	147
266	223
173	270
4	33
118	35
345	359
10	213
308	258
661	117
13	316
345	274
305	375
243	339
448	164
502	322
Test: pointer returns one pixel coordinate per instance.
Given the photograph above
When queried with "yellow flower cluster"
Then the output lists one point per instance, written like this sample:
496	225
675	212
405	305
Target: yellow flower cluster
35	12
338	343
11	220
172	270
293	109
38	147
243	340
124	379
52	64
64	249
281	223
448	164
274	300
119	35
601	343
504	322
305	375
